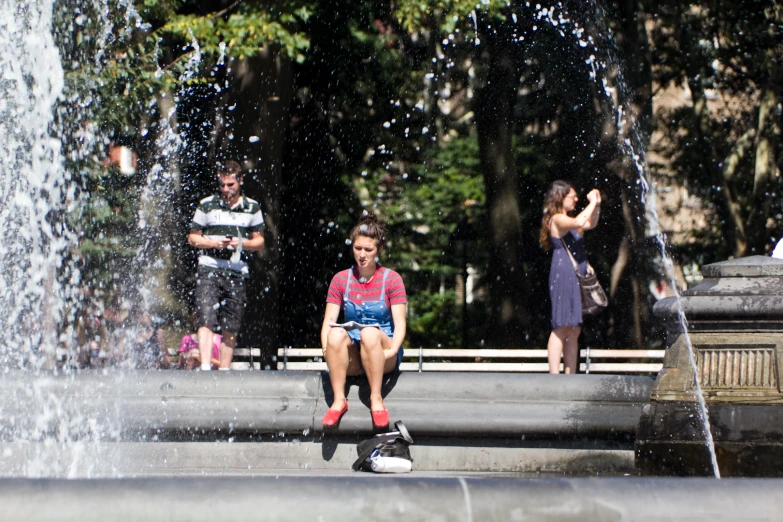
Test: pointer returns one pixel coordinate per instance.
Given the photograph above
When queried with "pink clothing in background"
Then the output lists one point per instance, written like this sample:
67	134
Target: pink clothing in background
189	343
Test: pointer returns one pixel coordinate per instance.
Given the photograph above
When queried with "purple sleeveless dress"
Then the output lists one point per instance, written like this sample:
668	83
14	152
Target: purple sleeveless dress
563	284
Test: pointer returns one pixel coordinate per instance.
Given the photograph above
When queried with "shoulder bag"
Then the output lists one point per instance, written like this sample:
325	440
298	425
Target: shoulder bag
393	444
594	298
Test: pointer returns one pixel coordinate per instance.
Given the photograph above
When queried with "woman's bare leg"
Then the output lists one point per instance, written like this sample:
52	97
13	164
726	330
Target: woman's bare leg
373	342
556	346
571	350
341	359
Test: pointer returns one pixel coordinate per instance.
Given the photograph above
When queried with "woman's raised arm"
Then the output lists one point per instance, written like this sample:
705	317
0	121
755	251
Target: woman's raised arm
564	223
592	220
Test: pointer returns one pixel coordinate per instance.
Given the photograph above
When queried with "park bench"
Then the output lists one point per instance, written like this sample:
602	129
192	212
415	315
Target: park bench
244	358
490	360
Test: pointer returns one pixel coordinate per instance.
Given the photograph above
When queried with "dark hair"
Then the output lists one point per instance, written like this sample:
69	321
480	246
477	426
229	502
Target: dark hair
370	226
229	168
553	204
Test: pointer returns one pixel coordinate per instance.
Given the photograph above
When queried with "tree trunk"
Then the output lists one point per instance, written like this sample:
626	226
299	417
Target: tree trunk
767	137
255	112
727	205
631	268
494	120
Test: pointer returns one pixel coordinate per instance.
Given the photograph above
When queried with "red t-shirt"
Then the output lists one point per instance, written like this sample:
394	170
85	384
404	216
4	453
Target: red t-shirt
370	291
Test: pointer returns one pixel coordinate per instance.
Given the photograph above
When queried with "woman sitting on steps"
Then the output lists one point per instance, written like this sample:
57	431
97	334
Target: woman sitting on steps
373	298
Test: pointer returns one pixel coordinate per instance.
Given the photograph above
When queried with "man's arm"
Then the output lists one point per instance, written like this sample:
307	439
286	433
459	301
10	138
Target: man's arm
255	243
198	240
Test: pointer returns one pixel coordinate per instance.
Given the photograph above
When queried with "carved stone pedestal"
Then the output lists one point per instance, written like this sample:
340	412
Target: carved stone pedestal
735	340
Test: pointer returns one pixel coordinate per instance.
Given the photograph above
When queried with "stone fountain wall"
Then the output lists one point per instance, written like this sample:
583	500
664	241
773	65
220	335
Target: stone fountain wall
735	328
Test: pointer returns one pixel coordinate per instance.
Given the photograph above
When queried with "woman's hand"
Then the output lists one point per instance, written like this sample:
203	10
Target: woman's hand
390	353
399	313
595	201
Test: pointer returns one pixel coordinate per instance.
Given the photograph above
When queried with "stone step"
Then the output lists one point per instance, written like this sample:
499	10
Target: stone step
376	497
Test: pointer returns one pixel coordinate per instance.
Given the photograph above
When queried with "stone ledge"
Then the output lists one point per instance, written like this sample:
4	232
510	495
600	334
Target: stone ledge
302	454
177	405
390	498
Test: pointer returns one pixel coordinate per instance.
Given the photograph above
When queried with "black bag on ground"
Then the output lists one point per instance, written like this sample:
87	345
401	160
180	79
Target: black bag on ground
391	444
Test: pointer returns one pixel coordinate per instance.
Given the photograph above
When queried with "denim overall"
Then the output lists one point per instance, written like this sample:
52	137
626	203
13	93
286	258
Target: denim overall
369	312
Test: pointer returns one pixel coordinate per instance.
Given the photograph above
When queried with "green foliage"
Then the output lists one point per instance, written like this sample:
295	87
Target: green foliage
433	319
383	118
424	206
244	32
415	15
106	224
174	42
365	129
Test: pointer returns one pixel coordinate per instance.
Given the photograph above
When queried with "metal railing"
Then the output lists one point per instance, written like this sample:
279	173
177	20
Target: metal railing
491	360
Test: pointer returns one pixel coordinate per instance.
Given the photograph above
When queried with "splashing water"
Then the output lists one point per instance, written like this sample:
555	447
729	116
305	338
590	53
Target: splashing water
43	124
632	147
162	184
32	186
35	192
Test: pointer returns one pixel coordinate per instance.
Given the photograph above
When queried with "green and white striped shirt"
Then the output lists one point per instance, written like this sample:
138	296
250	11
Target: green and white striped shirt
216	220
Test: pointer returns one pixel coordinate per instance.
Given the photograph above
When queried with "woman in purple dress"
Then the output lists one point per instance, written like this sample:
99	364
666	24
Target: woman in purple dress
558	232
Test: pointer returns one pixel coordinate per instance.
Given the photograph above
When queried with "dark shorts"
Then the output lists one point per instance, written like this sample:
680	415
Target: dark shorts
220	299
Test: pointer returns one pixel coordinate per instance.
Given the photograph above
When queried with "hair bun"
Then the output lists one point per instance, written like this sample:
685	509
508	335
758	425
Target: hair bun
368	217
370	226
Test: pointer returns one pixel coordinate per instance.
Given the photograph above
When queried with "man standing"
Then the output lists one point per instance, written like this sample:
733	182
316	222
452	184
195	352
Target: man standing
223	227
